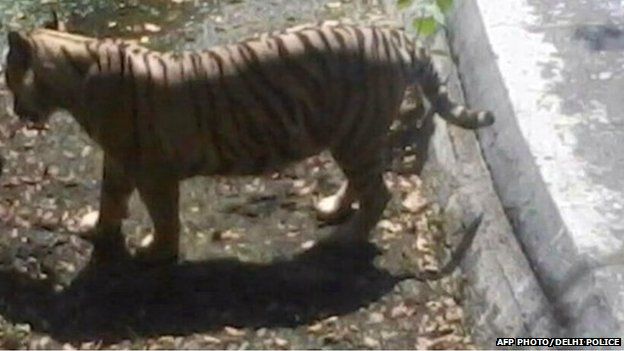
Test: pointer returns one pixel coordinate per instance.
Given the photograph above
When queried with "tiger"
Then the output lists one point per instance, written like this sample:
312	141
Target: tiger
245	108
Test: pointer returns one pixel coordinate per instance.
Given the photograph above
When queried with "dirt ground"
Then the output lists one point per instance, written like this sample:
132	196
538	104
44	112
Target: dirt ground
253	276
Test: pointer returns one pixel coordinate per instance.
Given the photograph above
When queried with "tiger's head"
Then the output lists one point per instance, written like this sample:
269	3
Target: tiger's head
29	95
36	74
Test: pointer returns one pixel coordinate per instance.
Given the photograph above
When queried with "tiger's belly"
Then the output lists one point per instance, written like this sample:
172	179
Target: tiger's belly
194	156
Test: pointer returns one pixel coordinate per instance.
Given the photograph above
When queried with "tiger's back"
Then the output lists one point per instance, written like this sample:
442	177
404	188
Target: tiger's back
252	106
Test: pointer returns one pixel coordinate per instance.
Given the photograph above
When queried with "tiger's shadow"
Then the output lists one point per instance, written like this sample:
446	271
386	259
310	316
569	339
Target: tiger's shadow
122	300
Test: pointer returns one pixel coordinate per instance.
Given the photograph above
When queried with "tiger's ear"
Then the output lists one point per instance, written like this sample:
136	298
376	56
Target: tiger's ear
19	46
55	23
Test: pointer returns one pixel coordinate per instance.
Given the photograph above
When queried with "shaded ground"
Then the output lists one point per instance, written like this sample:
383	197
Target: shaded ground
253	276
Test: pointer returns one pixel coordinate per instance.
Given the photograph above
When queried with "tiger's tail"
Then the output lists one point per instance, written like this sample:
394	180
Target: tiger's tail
426	76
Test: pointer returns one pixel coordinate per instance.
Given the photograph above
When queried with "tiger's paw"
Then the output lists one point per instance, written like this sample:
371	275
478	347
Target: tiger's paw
347	234
330	211
156	256
108	247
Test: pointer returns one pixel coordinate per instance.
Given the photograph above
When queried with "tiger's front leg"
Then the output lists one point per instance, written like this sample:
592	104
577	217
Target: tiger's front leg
116	189
160	193
336	208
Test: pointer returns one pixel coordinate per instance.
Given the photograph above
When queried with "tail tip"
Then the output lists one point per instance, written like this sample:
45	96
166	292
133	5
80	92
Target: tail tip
485	118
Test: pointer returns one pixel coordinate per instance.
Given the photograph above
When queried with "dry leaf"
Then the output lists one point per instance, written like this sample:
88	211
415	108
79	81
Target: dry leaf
333	5
315	328
151	27
414	202
89	220
234	331
401	310
146	240
454	314
226	235
279	342
308	244
85	151
211	339
371	343
376	317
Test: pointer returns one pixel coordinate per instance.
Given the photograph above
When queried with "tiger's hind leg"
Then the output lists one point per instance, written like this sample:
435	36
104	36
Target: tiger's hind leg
160	193
336	208
365	176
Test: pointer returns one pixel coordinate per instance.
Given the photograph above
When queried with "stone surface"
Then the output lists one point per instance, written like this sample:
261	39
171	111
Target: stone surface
551	73
504	297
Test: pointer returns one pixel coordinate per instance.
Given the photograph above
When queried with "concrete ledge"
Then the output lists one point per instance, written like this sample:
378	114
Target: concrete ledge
552	151
504	298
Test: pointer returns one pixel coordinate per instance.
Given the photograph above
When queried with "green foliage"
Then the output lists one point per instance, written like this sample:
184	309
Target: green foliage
403	4
429	14
425	25
444	5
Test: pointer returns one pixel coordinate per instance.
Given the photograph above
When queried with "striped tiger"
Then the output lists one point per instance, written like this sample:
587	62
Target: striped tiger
238	109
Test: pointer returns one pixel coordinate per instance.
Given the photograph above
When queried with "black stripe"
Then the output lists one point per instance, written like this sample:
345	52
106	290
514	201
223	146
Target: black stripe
397	50
297	67
75	65
288	102
243	74
108	61
264	94
149	98
282	109
339	38
94	56
324	39
334	70
228	102
149	84
308	71
377	100
315	52
164	67
282	50
313	57
224	165
409	44
145	57
196	106
375	43
121	52
98	52
194	83
246	125
361	41
384	44
136	135
182	73
395	35
413	56
351	86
